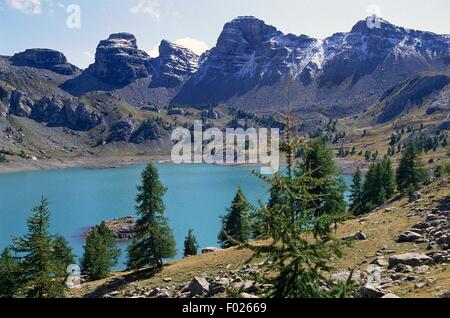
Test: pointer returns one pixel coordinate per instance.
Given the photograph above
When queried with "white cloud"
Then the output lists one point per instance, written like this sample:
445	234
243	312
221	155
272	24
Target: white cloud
149	7
196	46
26	6
88	54
154	52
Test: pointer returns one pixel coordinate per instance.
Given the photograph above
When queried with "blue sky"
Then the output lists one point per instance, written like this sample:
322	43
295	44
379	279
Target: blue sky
193	23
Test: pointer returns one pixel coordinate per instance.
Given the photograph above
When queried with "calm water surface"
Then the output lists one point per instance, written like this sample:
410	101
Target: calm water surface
79	198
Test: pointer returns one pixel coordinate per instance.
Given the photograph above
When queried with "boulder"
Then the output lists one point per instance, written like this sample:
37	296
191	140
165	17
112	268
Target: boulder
198	286
380	261
207	250
218	286
360	236
343	277
409	236
415	196
412	259
370	291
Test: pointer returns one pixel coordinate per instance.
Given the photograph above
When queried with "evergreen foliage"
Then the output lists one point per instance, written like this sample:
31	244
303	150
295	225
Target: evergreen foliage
379	185
356	197
100	253
300	229
190	244
9	274
236	228
153	239
42	272
320	164
411	173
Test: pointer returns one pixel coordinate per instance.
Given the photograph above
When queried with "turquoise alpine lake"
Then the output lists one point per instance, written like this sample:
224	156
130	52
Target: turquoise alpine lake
79	198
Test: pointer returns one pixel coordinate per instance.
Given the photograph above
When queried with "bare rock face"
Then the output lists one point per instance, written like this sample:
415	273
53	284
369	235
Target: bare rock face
122	228
44	59
251	56
122	130
58	112
152	129
20	105
411	259
174	65
118	61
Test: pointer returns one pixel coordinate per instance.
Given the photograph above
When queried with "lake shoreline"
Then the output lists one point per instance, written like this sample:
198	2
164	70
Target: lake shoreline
26	165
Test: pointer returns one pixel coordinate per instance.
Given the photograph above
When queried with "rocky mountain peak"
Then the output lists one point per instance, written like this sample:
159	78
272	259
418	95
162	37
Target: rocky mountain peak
376	25
44	59
246	30
118	60
174	64
121	39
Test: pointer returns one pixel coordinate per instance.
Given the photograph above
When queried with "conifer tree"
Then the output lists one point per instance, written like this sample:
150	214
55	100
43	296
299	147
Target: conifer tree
357	206
236	227
62	253
153	239
388	178
41	273
320	164
9	275
301	234
100	253
411	173
190	244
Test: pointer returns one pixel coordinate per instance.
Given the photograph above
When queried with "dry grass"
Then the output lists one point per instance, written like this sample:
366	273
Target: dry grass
382	227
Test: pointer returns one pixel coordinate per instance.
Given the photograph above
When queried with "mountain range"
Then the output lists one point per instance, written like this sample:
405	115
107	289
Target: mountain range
250	67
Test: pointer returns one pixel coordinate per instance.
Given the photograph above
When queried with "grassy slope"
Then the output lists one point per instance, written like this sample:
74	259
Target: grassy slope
382	228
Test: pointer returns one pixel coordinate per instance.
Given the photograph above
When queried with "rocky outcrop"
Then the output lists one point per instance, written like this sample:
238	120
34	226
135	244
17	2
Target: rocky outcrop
44	59
69	113
433	229
174	65
122	228
122	130
20	105
243	280
411	259
118	61
152	129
